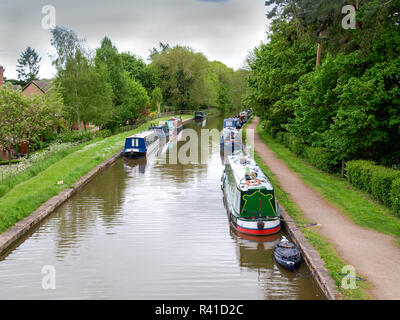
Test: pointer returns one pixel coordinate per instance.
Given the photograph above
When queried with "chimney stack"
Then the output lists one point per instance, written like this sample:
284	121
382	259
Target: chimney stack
2	75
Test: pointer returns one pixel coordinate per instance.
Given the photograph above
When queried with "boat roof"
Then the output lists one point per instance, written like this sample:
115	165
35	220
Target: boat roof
143	134
231	119
240	163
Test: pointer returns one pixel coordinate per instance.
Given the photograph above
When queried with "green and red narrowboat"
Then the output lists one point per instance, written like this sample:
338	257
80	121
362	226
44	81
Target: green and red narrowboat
250	198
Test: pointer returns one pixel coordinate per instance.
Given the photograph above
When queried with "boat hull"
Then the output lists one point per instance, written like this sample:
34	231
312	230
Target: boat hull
251	227
287	255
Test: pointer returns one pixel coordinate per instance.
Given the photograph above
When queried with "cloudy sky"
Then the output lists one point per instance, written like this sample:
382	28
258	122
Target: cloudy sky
224	30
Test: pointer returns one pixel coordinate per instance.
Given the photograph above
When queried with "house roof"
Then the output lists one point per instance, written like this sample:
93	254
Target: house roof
42	85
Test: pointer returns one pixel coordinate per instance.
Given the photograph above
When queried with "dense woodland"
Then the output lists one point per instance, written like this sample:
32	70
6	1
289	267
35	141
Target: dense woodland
344	101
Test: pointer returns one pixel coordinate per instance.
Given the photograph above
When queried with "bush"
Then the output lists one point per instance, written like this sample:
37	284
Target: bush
395	196
295	144
381	183
103	133
6	162
359	173
378	180
280	136
321	158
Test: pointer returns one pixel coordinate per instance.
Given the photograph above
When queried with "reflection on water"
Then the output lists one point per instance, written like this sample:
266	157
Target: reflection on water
150	229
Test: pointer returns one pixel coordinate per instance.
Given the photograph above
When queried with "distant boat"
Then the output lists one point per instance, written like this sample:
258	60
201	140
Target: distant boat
250	198
200	115
175	124
287	254
141	144
231	141
232	123
161	130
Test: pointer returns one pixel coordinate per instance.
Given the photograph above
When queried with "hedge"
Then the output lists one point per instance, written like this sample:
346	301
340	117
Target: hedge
378	180
395	196
321	158
359	173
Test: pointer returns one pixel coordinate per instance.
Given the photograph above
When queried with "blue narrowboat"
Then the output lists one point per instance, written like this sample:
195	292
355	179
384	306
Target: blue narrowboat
141	144
232	123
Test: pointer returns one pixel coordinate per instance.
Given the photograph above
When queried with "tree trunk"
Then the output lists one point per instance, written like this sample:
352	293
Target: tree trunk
319	51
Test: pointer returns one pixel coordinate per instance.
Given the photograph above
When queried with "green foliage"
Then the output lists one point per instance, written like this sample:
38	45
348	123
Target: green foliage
108	60
156	100
375	179
321	158
350	104
395	196
24	117
28	65
359	173
275	69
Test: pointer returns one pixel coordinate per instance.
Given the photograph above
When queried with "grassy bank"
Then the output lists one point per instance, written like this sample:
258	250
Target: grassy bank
29	195
355	204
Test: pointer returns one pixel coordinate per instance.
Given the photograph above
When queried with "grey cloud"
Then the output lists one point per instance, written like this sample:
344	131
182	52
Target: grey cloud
222	30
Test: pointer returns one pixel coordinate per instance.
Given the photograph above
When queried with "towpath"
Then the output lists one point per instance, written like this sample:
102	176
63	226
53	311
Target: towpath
374	255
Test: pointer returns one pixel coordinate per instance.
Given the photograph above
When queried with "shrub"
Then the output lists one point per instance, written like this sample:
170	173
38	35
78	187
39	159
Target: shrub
375	179
381	183
359	173
295	144
321	158
395	196
280	136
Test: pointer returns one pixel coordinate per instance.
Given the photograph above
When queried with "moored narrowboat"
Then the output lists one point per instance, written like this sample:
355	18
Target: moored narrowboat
161	130
141	144
250	198
175	124
200	115
231	141
232	123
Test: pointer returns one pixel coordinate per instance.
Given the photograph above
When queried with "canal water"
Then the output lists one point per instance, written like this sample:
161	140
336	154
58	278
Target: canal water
149	229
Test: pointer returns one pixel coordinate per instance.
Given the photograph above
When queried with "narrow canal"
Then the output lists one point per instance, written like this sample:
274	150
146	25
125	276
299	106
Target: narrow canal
146	229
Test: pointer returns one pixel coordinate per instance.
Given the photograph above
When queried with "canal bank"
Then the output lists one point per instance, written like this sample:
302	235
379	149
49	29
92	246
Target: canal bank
339	241
150	229
23	227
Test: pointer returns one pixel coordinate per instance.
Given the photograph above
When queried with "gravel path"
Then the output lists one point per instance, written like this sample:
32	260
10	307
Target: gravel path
374	255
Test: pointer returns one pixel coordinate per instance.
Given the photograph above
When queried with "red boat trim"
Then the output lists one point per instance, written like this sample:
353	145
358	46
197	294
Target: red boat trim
259	232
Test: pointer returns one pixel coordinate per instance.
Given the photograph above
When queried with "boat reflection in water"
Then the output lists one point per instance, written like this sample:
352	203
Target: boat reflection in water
201	123
136	165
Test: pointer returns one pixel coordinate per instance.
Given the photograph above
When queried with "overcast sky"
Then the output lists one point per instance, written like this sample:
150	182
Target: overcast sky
224	30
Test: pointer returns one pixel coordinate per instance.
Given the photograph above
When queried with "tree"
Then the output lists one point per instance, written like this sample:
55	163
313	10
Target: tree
86	91
137	100
66	43
156	100
183	77
108	58
22	117
28	65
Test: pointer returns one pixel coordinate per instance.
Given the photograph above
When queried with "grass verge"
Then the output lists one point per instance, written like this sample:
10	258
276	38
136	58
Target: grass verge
29	195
